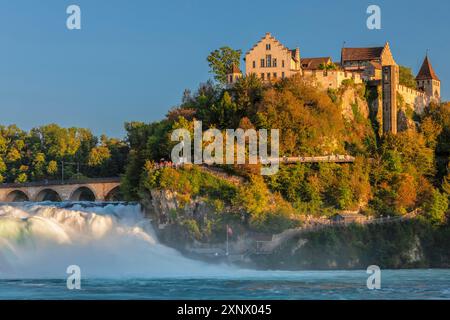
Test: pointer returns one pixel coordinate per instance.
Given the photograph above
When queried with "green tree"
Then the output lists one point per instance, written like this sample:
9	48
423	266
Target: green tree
436	208
38	165
406	77
21	178
221	60
52	168
98	156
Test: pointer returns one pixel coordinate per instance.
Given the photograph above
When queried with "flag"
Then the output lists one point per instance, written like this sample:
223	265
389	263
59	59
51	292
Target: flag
229	230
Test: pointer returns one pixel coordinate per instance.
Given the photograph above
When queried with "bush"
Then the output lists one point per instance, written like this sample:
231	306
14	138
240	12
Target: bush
436	208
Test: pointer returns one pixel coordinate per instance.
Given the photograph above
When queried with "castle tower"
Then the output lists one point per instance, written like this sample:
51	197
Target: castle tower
233	75
389	87
428	82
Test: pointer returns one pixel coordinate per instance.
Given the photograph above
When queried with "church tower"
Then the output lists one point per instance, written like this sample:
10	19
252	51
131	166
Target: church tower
233	75
428	82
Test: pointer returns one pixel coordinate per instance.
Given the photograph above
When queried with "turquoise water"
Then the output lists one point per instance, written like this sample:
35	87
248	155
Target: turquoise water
395	284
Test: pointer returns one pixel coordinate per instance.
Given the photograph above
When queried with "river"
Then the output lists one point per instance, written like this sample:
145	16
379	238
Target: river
119	257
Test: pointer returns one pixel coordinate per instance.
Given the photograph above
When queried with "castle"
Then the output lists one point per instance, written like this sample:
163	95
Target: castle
270	60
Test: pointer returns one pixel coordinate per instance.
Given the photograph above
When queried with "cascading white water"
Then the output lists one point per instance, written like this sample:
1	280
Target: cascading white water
42	240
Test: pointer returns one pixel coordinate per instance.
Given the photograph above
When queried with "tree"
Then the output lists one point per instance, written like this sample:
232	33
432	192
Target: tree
38	166
406	77
406	192
98	156
328	66
436	208
445	181
52	168
21	178
220	62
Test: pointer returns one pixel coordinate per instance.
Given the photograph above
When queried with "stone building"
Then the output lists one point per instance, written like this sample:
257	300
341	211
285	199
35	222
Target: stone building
233	75
359	59
269	59
311	64
427	80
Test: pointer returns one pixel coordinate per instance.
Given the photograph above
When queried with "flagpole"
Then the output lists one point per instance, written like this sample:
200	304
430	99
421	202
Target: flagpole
227	239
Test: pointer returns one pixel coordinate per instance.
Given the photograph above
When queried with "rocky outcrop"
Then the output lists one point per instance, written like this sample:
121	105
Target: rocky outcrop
168	212
353	104
166	207
394	245
403	122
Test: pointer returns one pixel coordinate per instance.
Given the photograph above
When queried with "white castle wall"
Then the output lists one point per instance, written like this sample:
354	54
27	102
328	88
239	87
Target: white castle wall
415	98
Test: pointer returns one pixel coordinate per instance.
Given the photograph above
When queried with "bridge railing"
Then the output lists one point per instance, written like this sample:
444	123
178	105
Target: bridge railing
59	182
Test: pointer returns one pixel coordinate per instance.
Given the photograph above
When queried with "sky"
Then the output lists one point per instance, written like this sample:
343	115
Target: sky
132	60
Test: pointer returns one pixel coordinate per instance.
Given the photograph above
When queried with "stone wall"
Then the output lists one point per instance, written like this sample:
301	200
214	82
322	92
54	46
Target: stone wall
417	99
332	79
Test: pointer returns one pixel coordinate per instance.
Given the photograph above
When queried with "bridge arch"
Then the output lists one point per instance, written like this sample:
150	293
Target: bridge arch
48	195
17	196
114	194
83	193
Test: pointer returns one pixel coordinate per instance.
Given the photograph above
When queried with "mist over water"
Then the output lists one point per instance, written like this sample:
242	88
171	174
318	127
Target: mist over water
40	240
120	258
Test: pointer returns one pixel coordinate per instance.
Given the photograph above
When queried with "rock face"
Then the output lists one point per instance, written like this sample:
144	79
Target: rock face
353	104
321	249
164	207
168	210
415	254
403	122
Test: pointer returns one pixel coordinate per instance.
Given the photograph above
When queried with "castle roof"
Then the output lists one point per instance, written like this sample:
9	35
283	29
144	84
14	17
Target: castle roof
314	63
361	54
234	69
426	71
268	35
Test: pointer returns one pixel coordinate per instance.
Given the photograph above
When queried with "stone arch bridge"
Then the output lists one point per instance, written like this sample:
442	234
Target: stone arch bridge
101	189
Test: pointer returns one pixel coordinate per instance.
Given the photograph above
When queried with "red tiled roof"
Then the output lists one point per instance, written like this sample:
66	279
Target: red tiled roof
234	69
426	71
314	63
361	54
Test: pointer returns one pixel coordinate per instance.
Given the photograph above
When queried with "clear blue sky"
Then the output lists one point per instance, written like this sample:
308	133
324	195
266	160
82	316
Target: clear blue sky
133	59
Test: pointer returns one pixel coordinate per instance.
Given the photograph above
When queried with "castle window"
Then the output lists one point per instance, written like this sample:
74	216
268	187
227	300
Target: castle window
282	63
254	64
262	76
275	75
274	62
282	75
268	76
269	61
268	46
262	63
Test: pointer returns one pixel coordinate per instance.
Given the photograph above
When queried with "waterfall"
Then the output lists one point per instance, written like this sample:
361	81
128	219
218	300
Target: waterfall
40	240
